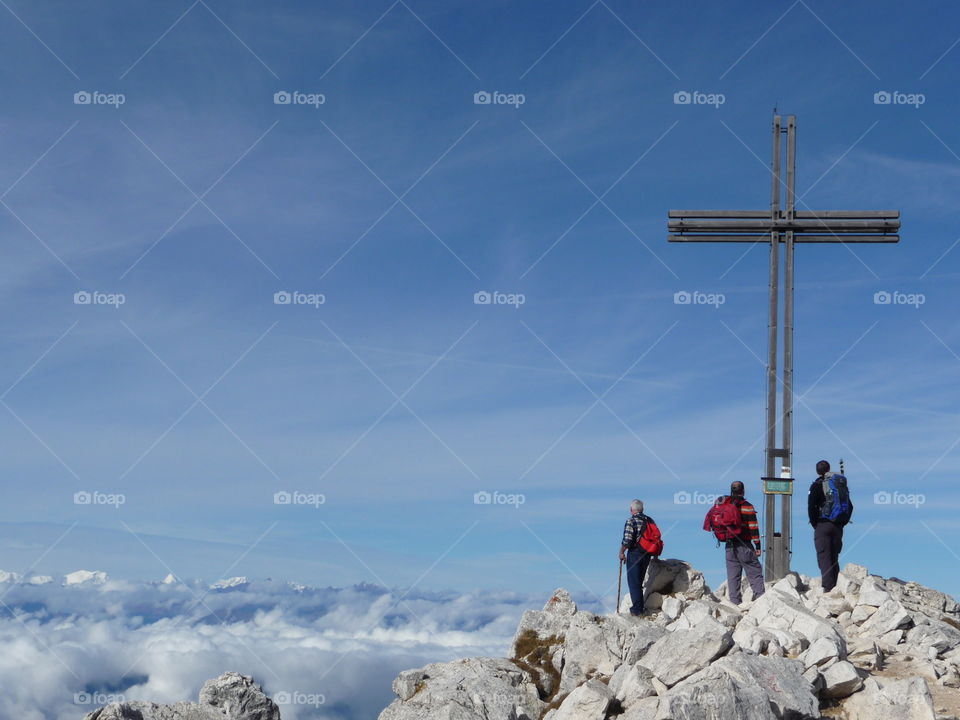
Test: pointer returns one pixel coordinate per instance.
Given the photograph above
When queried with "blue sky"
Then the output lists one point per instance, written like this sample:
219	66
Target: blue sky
397	199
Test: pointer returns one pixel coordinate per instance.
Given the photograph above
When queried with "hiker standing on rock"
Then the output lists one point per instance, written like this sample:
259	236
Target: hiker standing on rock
641	541
829	508
733	521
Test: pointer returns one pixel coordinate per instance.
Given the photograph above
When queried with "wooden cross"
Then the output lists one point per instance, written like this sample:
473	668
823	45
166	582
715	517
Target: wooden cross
782	224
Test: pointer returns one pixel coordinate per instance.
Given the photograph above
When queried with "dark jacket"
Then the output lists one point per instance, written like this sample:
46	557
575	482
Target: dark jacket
816	499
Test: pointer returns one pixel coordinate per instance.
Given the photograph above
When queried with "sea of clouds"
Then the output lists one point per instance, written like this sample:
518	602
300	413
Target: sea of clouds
322	652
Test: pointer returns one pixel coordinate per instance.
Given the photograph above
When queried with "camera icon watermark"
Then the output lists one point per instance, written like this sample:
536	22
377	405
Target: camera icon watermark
895	97
284	697
884	297
283	497
283	297
883	497
496	497
695	97
482	297
482	97
95	297
95	97
683	297
683	497
85	497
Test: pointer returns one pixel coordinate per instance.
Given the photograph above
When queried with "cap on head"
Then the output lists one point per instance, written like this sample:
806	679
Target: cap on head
736	488
823	467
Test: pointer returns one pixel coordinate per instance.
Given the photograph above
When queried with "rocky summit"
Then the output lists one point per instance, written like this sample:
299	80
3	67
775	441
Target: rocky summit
870	649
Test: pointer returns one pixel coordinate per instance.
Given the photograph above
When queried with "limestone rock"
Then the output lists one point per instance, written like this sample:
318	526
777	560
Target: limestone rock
820	652
588	702
872	592
231	696
553	620
645	635
889	616
777	610
745	687
632	683
675	577
907	699
865	653
840	680
681	653
474	689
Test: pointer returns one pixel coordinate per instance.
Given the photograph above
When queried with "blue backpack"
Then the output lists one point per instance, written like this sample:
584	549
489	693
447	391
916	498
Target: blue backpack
836	505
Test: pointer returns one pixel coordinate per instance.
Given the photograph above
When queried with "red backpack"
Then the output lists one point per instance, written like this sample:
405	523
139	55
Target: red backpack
650	540
724	520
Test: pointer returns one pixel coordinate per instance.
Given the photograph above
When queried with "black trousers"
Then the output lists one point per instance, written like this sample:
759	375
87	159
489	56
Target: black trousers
828	541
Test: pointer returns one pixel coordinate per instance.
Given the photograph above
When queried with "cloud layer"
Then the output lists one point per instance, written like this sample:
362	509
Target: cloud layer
328	652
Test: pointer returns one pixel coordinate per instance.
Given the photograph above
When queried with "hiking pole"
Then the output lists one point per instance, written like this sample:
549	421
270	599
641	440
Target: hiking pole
619	580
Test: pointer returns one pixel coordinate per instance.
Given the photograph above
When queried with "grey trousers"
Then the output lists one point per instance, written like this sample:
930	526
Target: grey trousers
742	558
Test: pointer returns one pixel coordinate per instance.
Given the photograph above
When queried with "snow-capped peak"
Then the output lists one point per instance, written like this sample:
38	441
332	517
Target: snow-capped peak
81	577
229	583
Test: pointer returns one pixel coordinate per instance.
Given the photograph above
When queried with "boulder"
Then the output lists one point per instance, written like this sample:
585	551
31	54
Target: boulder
671	607
681	653
889	616
906	699
780	611
848	586
857	573
231	696
588	702
632	683
745	687
675	577
933	634
645	635
553	620
820	652
840	680
865	653
474	689
594	645
872	592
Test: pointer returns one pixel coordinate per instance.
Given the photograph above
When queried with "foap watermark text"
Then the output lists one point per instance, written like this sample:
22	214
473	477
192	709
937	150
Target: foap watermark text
482	97
884	297
95	297
498	498
314	100
296	497
695	97
94	497
283	297
683	297
884	497
496	297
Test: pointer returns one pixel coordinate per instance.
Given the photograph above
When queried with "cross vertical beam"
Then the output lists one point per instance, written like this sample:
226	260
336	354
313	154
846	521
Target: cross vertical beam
782	224
773	332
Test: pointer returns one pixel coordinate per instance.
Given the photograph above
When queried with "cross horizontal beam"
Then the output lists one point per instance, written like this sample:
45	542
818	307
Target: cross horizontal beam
803	238
799	214
797	226
823	226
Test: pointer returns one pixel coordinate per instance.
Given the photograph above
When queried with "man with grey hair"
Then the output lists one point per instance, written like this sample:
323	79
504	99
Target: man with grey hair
636	558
